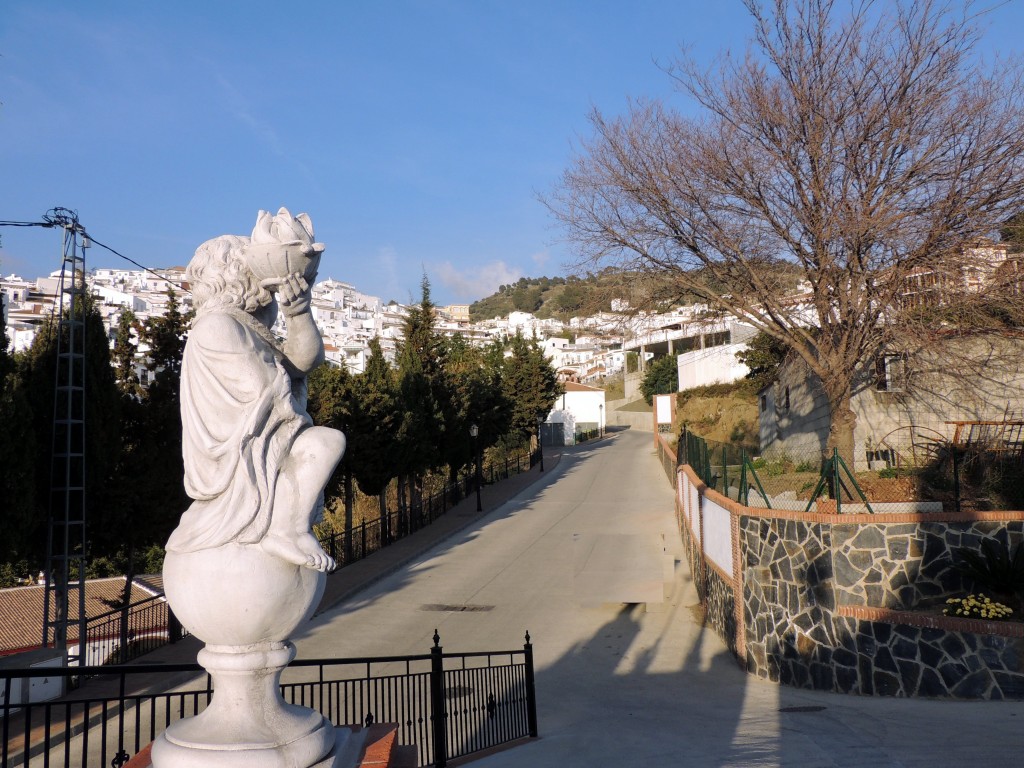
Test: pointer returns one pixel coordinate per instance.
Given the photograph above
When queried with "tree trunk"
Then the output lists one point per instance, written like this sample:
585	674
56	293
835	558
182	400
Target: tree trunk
126	601
842	424
417	500
349	504
385	522
403	484
453	482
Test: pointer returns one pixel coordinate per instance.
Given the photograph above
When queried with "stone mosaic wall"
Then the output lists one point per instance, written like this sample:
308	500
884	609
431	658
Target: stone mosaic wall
903	660
720	608
849	605
799	576
908	566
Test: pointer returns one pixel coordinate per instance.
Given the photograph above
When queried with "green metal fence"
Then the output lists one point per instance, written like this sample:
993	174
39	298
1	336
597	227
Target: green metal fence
815	480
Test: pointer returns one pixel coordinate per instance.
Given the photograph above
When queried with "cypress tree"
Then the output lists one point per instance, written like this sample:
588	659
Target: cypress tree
530	383
422	421
371	429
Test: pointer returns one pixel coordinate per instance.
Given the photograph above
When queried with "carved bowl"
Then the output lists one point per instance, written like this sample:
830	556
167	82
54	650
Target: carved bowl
238	594
271	262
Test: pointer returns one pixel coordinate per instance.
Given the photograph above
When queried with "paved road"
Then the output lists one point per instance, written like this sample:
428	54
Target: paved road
621	685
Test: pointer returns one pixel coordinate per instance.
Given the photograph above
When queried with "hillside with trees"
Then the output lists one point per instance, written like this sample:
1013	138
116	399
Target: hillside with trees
577	296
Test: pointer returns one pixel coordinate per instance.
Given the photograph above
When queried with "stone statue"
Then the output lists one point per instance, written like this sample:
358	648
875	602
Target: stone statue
243	568
254	462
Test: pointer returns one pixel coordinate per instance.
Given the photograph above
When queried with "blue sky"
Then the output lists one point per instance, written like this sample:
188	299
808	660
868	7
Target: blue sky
417	135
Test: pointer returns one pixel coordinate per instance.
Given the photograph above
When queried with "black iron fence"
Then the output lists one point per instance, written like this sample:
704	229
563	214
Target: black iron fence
123	634
362	540
447	705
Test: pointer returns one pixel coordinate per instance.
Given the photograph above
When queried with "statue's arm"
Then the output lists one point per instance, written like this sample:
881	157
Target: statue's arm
304	347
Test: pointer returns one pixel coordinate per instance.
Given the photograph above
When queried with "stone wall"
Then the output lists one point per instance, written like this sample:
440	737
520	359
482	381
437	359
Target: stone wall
823	601
850	603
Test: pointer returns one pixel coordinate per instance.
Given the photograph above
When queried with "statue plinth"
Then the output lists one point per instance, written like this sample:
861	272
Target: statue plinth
244	603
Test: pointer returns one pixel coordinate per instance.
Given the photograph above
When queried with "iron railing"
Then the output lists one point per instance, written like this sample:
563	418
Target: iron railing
486	699
362	540
123	634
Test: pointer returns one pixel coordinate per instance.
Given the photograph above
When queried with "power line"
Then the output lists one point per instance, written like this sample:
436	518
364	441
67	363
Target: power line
67	218
131	261
25	224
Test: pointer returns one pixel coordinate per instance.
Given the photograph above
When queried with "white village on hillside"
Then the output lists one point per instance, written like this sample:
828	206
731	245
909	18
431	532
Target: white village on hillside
584	351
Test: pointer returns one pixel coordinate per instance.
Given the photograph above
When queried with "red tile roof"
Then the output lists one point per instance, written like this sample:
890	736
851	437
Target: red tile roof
21	608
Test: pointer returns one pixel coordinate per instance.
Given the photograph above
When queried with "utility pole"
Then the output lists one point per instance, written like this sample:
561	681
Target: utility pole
66	538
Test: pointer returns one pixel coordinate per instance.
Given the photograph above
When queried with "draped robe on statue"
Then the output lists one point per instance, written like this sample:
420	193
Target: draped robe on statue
240	414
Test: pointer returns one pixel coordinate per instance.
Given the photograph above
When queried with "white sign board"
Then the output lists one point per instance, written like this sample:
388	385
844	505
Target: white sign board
663	408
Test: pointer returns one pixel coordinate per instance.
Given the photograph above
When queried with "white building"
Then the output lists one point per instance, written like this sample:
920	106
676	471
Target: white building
579	409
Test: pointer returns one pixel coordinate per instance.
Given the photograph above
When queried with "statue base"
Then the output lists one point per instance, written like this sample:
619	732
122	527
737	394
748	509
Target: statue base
244	603
247	724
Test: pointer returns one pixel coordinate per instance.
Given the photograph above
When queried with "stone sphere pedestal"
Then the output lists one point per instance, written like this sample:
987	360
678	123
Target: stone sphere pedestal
244	604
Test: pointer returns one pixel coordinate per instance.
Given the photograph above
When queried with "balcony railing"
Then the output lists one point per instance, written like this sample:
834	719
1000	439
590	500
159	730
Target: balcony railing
448	705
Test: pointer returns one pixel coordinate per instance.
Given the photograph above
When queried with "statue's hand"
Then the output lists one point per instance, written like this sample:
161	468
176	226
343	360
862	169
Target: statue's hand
293	295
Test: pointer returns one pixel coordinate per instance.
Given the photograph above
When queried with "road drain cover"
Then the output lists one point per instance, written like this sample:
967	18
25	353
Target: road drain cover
458	691
455	608
802	709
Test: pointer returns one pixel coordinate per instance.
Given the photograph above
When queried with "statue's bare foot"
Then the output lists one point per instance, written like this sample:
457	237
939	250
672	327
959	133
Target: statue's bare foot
304	550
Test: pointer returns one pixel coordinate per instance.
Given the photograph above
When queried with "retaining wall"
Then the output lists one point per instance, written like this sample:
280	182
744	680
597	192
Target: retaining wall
848	602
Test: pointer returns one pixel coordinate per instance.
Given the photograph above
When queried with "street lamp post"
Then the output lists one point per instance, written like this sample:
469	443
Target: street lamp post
540	443
600	419
474	432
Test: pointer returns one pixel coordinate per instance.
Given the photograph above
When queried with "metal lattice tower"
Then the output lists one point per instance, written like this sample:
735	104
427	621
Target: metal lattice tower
65	618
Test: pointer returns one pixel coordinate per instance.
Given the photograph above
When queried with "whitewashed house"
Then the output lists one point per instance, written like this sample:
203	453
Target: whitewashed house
578	410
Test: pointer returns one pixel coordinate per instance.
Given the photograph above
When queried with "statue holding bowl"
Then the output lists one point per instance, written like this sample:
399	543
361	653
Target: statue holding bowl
254	463
243	569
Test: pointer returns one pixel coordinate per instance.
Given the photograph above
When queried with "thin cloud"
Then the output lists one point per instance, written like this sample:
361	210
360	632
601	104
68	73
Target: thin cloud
470	284
264	132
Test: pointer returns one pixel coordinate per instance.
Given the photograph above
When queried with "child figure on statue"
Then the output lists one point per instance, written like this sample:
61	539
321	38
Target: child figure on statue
254	462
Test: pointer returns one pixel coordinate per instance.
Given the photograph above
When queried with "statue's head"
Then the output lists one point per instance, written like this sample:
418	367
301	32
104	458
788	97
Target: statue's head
219	276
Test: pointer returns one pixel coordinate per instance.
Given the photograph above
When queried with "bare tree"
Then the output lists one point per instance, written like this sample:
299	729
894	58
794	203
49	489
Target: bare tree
856	145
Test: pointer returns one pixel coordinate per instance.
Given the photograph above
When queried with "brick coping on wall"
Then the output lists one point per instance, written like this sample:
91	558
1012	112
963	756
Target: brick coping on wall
932	621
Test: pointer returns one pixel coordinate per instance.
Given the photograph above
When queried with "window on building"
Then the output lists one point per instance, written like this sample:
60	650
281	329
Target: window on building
764	403
685	344
716	339
890	373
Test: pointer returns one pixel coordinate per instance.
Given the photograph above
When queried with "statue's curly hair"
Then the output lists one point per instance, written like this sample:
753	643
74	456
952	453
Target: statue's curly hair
219	277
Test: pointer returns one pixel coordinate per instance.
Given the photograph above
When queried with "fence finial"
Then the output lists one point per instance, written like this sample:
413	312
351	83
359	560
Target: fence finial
437	639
